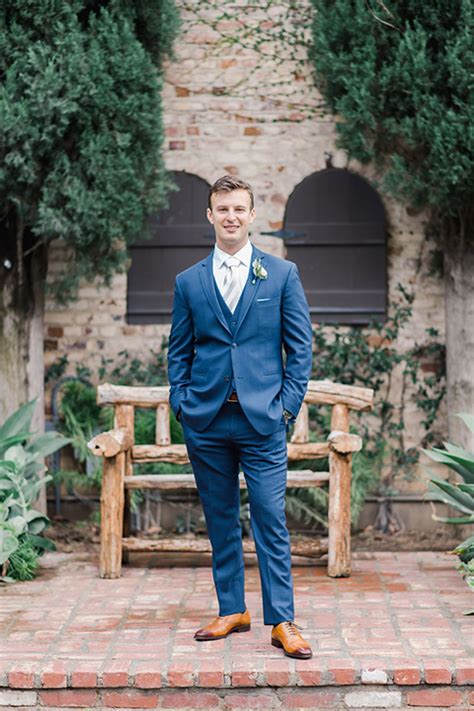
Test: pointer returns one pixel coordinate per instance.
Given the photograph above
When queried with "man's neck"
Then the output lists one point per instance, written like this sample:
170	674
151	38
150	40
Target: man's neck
231	250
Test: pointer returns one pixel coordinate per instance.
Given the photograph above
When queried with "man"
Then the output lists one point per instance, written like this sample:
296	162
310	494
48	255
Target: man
233	312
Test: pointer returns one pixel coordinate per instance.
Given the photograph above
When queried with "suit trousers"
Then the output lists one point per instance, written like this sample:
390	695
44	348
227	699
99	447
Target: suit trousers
216	455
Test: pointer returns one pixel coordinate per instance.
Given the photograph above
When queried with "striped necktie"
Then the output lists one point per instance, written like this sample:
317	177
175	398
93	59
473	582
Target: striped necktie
231	288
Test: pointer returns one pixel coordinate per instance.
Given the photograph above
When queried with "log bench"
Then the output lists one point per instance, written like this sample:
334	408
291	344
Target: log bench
120	453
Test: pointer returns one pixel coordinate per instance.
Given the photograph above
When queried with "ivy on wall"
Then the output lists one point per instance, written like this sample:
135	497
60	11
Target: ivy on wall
273	38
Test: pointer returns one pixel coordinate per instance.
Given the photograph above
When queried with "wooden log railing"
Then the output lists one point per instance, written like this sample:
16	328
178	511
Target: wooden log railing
119	454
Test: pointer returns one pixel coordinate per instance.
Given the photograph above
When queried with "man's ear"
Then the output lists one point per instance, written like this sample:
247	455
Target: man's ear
209	216
253	214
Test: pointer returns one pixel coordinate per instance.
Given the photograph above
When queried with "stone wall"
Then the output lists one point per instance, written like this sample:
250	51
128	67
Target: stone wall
228	110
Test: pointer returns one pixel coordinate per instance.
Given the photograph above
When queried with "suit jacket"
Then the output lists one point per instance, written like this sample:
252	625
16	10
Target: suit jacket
204	354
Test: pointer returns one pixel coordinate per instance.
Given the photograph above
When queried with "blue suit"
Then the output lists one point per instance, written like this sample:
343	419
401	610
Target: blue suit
211	353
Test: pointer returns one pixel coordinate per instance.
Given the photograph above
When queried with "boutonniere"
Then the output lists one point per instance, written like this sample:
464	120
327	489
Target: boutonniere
259	270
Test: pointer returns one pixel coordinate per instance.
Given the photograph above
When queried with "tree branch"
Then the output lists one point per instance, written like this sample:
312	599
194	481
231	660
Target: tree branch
37	244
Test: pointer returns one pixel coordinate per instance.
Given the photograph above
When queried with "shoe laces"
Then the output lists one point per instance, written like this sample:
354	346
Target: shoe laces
290	627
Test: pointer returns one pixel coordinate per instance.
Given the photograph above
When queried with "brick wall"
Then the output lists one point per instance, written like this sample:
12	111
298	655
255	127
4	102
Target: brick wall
268	130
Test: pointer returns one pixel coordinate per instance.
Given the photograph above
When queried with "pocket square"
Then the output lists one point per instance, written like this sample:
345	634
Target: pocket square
264	299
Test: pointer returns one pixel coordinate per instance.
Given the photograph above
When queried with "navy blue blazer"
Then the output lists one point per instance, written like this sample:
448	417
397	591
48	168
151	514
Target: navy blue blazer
205	352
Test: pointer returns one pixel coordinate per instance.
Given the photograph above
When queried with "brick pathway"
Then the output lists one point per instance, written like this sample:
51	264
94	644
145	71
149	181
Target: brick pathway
393	634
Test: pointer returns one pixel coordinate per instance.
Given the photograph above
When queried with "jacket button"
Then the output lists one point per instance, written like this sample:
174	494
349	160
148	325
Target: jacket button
234	345
227	377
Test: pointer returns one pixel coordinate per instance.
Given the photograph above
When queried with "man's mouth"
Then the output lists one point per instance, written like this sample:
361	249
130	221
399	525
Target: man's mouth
231	228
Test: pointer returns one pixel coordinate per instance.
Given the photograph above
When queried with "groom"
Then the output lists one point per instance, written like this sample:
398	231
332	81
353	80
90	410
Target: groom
234	394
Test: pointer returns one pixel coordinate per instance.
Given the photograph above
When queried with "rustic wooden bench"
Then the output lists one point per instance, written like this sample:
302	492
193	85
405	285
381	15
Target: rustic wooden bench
120	453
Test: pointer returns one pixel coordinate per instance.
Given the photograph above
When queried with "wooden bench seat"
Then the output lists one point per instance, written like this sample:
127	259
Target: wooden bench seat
297	478
120	454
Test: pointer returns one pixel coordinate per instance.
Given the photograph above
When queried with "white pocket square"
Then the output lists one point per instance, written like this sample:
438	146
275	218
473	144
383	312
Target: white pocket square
264	299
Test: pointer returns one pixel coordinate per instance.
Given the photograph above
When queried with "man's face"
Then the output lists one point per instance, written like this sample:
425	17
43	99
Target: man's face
231	216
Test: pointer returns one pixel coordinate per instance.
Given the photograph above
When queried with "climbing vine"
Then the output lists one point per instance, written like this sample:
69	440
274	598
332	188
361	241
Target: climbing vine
273	32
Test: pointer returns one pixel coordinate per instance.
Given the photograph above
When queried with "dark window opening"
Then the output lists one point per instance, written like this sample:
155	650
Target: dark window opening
339	247
181	236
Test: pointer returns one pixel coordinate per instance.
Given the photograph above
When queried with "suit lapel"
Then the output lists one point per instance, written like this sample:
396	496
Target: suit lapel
207	280
250	290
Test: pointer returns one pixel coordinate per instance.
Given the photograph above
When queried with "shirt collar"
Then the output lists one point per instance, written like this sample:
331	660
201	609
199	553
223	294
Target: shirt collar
244	254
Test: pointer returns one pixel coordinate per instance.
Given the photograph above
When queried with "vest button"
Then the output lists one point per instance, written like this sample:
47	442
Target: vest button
234	345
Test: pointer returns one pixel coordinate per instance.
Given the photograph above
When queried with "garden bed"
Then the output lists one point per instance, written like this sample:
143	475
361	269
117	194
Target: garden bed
84	536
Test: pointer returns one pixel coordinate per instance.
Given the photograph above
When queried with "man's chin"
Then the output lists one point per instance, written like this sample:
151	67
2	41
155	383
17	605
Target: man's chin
231	243
233	237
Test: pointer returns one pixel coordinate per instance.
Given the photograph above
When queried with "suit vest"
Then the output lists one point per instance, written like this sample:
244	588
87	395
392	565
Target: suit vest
232	320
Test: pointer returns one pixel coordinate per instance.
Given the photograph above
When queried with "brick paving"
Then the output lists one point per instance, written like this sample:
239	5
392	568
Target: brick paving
394	631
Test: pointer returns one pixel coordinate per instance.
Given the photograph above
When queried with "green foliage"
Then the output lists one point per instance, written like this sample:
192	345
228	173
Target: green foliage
156	25
133	371
343	354
80	422
459	496
81	127
465	551
311	505
369	358
56	370
82	418
79	406
21	461
399	77
23	562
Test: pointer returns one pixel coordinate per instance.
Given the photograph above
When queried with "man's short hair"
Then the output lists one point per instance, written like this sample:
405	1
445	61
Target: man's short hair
228	183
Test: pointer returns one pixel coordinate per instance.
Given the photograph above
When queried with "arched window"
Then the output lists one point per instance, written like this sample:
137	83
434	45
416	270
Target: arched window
335	229
181	236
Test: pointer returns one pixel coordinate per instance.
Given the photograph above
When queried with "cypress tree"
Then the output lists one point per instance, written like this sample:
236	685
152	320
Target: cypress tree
81	155
399	76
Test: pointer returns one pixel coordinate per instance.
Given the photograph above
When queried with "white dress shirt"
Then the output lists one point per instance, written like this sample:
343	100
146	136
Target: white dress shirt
219	268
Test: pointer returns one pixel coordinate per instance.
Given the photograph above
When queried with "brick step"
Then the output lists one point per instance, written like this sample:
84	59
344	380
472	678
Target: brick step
394	635
147	695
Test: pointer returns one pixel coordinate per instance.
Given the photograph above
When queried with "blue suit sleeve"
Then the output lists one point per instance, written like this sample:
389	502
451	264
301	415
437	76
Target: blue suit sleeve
180	348
297	337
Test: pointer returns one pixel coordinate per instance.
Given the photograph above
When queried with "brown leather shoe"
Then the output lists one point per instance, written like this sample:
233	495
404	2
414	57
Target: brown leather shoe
221	626
286	636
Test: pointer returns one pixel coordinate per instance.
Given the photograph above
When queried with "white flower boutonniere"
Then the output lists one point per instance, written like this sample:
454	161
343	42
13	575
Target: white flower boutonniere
259	270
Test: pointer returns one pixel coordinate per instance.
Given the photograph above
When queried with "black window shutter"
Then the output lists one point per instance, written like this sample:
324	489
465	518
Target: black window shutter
340	246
